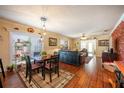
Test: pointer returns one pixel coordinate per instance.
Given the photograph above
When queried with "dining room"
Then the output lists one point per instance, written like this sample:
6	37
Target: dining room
37	49
32	55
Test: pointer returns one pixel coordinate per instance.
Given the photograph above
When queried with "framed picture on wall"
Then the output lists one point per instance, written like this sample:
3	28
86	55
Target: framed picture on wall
52	41
103	42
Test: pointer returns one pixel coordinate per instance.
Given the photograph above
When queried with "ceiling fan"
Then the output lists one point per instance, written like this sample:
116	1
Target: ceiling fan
105	31
83	37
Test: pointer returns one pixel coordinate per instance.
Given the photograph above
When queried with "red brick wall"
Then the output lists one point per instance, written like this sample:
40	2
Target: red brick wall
118	40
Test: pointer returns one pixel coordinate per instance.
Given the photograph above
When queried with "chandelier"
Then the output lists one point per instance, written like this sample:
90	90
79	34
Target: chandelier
43	20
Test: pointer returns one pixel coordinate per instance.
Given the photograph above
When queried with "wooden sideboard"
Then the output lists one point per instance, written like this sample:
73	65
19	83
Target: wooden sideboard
70	57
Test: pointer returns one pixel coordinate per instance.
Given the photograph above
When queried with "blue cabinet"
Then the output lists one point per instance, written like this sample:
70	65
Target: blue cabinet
70	57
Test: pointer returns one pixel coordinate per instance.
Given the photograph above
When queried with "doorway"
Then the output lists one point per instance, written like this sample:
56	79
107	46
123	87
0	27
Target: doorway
90	45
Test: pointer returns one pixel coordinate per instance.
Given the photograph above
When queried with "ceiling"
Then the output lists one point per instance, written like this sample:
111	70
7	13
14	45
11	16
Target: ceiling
67	20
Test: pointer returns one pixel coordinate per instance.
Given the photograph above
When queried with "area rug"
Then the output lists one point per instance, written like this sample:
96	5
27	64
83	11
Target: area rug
38	82
88	59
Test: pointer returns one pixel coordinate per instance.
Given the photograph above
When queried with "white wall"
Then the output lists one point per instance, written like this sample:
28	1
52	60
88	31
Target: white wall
100	49
4	46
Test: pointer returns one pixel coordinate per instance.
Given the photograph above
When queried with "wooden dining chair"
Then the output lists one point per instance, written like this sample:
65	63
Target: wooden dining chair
52	65
1	85
3	73
2	69
32	67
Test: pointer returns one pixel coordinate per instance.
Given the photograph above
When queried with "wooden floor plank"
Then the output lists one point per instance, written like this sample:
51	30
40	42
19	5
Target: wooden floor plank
90	75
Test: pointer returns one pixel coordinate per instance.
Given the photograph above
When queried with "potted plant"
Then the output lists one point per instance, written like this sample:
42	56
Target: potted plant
10	67
55	53
44	53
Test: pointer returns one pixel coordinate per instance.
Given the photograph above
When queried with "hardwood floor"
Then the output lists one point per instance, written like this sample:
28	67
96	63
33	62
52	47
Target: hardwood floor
12	80
90	75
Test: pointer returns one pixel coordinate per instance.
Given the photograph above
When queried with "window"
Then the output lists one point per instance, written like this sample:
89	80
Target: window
64	44
90	45
23	44
83	44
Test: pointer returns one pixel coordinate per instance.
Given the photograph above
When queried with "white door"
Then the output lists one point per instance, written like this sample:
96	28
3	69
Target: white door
90	47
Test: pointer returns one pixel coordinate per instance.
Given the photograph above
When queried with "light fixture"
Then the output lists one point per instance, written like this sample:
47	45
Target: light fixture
41	38
44	33
43	20
83	37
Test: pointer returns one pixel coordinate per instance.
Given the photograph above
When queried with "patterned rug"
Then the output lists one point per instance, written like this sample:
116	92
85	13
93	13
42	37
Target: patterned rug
38	82
88	59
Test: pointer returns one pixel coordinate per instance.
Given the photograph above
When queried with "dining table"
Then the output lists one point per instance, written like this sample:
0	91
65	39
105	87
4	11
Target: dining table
44	59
